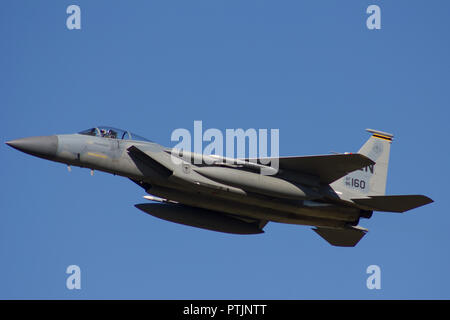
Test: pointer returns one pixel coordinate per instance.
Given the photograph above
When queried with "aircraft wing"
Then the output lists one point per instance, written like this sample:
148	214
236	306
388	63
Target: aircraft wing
328	168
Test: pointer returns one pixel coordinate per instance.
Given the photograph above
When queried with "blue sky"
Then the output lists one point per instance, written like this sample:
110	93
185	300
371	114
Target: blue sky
308	68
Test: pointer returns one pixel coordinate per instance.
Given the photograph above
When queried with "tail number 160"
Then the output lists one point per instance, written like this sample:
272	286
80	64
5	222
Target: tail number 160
357	183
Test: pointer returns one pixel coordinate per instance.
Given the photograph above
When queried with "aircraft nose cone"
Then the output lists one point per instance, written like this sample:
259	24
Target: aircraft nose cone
44	147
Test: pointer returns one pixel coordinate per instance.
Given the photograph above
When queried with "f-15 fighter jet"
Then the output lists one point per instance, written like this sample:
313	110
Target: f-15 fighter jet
329	192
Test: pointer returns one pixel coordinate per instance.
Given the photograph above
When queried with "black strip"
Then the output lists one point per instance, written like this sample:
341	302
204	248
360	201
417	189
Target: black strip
383	137
229	309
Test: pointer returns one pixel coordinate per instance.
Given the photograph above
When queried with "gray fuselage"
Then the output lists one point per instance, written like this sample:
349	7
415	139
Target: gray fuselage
211	191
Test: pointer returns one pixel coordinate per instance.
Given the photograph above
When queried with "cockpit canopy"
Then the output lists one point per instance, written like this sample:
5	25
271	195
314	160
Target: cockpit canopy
112	133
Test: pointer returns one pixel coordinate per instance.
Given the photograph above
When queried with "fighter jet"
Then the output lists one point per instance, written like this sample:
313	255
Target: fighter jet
330	192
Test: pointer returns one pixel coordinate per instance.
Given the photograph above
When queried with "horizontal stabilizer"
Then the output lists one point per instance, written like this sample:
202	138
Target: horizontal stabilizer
399	203
328	168
348	237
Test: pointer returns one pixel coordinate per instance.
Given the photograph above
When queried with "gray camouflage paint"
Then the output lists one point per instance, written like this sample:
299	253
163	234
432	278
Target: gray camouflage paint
235	199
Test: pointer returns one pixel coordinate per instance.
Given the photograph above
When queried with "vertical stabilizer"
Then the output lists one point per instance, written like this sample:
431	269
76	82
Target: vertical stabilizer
371	180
